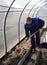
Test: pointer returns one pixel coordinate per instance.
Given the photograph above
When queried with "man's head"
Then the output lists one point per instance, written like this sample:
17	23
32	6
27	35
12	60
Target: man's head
29	20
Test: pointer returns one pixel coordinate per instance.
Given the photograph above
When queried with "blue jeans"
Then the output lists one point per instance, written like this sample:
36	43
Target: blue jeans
35	42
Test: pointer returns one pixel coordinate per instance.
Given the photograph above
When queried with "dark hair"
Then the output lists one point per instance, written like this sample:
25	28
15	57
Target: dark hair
29	19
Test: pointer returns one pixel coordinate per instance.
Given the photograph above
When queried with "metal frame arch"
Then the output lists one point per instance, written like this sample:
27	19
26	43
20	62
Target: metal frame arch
5	26
32	8
35	10
20	20
40	8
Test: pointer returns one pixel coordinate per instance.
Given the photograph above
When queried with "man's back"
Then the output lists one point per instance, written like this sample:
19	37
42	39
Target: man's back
34	26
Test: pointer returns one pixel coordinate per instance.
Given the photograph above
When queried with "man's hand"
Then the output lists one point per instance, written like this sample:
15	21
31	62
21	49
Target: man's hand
26	39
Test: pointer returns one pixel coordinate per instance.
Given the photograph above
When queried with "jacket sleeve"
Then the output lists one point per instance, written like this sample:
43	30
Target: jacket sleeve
26	31
41	23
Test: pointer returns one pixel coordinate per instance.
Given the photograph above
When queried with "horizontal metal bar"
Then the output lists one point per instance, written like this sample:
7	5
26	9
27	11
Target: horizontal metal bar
11	7
9	11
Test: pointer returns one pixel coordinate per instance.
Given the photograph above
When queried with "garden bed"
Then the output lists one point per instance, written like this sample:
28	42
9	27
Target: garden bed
14	56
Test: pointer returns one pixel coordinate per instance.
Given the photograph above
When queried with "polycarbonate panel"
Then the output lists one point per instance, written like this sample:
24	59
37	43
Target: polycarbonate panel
12	28
42	13
22	31
32	3
2	44
39	8
5	2
20	3
22	22
35	7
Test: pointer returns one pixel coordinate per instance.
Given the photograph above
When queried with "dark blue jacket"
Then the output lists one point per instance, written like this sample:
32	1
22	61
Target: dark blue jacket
36	24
